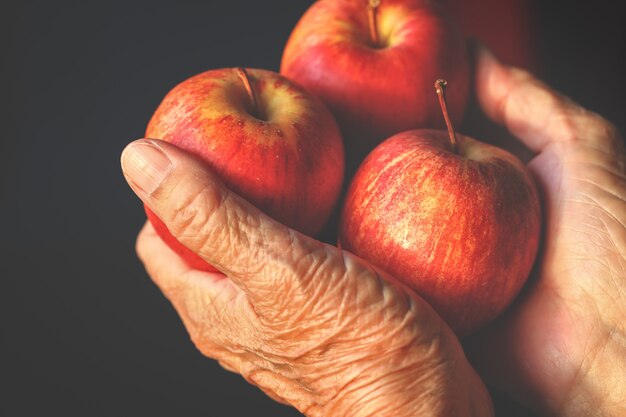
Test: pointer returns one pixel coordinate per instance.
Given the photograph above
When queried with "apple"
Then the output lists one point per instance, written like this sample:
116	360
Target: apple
268	139
373	64
455	219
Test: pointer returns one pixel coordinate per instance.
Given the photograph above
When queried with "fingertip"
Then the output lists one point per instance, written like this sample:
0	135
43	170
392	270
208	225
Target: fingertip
128	148
483	52
490	80
145	165
485	60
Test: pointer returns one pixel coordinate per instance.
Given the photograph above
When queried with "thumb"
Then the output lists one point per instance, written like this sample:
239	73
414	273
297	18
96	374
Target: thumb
205	216
532	111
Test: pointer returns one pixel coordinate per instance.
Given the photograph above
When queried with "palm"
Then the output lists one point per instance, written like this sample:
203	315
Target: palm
543	350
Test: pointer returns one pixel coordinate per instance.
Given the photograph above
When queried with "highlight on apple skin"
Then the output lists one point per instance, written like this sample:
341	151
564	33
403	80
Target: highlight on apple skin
267	138
461	228
374	63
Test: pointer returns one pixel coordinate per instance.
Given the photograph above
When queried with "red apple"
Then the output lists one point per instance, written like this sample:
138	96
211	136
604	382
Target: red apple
373	63
267	138
458	221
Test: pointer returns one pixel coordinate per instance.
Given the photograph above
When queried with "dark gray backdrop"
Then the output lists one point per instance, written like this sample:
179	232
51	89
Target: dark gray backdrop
84	331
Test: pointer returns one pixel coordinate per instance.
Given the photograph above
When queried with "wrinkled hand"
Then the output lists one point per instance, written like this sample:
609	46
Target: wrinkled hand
311	325
562	348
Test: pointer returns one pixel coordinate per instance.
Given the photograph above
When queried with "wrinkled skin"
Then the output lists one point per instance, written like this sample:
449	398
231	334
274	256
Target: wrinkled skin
311	325
562	348
322	330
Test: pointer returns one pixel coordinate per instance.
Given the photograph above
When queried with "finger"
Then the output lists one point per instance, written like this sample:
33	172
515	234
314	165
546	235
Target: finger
209	219
173	276
530	110
202	299
164	266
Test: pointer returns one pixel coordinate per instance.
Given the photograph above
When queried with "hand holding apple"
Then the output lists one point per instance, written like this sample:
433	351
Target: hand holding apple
310	325
374	63
268	139
560	348
455	219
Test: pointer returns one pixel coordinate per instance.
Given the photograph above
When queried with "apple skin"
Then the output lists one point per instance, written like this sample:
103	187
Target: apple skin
375	92
462	229
289	162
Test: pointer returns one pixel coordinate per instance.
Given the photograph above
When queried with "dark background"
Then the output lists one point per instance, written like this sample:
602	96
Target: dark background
84	331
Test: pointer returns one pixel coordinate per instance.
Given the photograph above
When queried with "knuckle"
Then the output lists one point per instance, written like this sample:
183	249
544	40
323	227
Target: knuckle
194	316
568	123
514	99
316	271
605	131
581	126
610	130
307	296
309	265
564	128
207	221
191	212
198	218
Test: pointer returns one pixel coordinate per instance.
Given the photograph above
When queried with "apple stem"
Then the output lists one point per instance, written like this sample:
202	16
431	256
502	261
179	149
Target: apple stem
245	78
371	14
440	86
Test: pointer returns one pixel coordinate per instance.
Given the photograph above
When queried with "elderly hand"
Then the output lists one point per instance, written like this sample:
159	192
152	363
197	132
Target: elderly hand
562	348
311	325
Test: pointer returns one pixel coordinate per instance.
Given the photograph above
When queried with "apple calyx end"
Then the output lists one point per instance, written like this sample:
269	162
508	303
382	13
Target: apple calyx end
245	78
440	86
